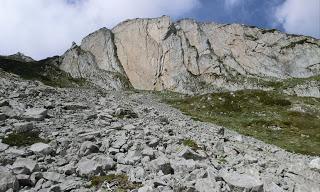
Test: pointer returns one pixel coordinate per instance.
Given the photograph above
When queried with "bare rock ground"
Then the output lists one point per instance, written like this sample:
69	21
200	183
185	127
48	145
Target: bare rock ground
87	133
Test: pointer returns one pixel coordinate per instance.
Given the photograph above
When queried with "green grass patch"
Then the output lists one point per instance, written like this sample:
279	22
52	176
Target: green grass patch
190	143
121	181
267	115
23	139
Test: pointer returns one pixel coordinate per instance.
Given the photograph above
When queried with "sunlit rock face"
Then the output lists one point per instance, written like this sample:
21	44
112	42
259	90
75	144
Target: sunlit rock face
96	60
191	57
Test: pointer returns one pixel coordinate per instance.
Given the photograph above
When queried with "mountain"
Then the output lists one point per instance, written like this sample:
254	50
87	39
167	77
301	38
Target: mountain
184	56
193	57
242	126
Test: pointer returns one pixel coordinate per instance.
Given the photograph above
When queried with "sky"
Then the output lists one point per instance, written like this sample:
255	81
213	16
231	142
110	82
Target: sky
44	28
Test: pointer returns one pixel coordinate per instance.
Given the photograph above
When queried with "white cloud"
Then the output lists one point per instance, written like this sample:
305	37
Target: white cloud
229	4
300	17
42	28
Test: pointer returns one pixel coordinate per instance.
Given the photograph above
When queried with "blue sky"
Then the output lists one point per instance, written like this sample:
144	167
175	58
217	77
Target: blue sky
43	28
251	12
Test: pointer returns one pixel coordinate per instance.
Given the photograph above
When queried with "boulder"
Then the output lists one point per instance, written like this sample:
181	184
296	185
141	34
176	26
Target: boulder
137	174
88	147
8	181
242	182
2	116
162	163
206	185
24	166
41	148
3	147
70	185
272	187
183	165
35	114
53	176
23	127
24	180
99	164
315	164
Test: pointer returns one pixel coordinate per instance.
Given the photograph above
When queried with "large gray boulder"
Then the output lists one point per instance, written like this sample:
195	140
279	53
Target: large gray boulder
99	164
41	148
242	182
24	166
35	114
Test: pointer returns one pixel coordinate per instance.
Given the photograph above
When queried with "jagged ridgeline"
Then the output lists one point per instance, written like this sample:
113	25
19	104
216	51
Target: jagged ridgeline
192	57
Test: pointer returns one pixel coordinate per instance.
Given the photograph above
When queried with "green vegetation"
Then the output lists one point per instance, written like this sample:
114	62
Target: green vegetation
43	71
23	139
221	160
191	143
122	182
288	83
290	122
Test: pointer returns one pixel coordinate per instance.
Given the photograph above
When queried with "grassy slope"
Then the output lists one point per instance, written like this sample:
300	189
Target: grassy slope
41	71
268	116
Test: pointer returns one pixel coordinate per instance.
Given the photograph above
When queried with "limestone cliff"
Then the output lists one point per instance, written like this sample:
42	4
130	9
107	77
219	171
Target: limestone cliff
191	57
96	60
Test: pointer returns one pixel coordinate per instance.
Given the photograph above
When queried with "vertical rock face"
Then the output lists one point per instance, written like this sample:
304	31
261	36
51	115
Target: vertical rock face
190	57
140	50
100	45
96	60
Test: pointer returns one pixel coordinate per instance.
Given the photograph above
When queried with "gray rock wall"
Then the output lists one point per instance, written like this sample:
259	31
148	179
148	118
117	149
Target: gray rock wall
191	57
96	60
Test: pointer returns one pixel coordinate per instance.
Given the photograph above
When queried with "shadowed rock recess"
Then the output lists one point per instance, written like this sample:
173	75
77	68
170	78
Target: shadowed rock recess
93	119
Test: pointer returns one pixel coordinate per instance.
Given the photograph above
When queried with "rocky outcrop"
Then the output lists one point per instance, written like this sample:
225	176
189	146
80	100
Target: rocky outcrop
178	56
191	57
96	60
309	89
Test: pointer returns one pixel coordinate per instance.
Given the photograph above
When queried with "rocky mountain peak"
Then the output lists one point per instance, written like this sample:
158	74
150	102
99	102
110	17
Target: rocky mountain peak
193	57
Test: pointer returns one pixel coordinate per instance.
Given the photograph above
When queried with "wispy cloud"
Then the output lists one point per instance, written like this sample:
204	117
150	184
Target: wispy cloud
229	4
299	17
42	28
